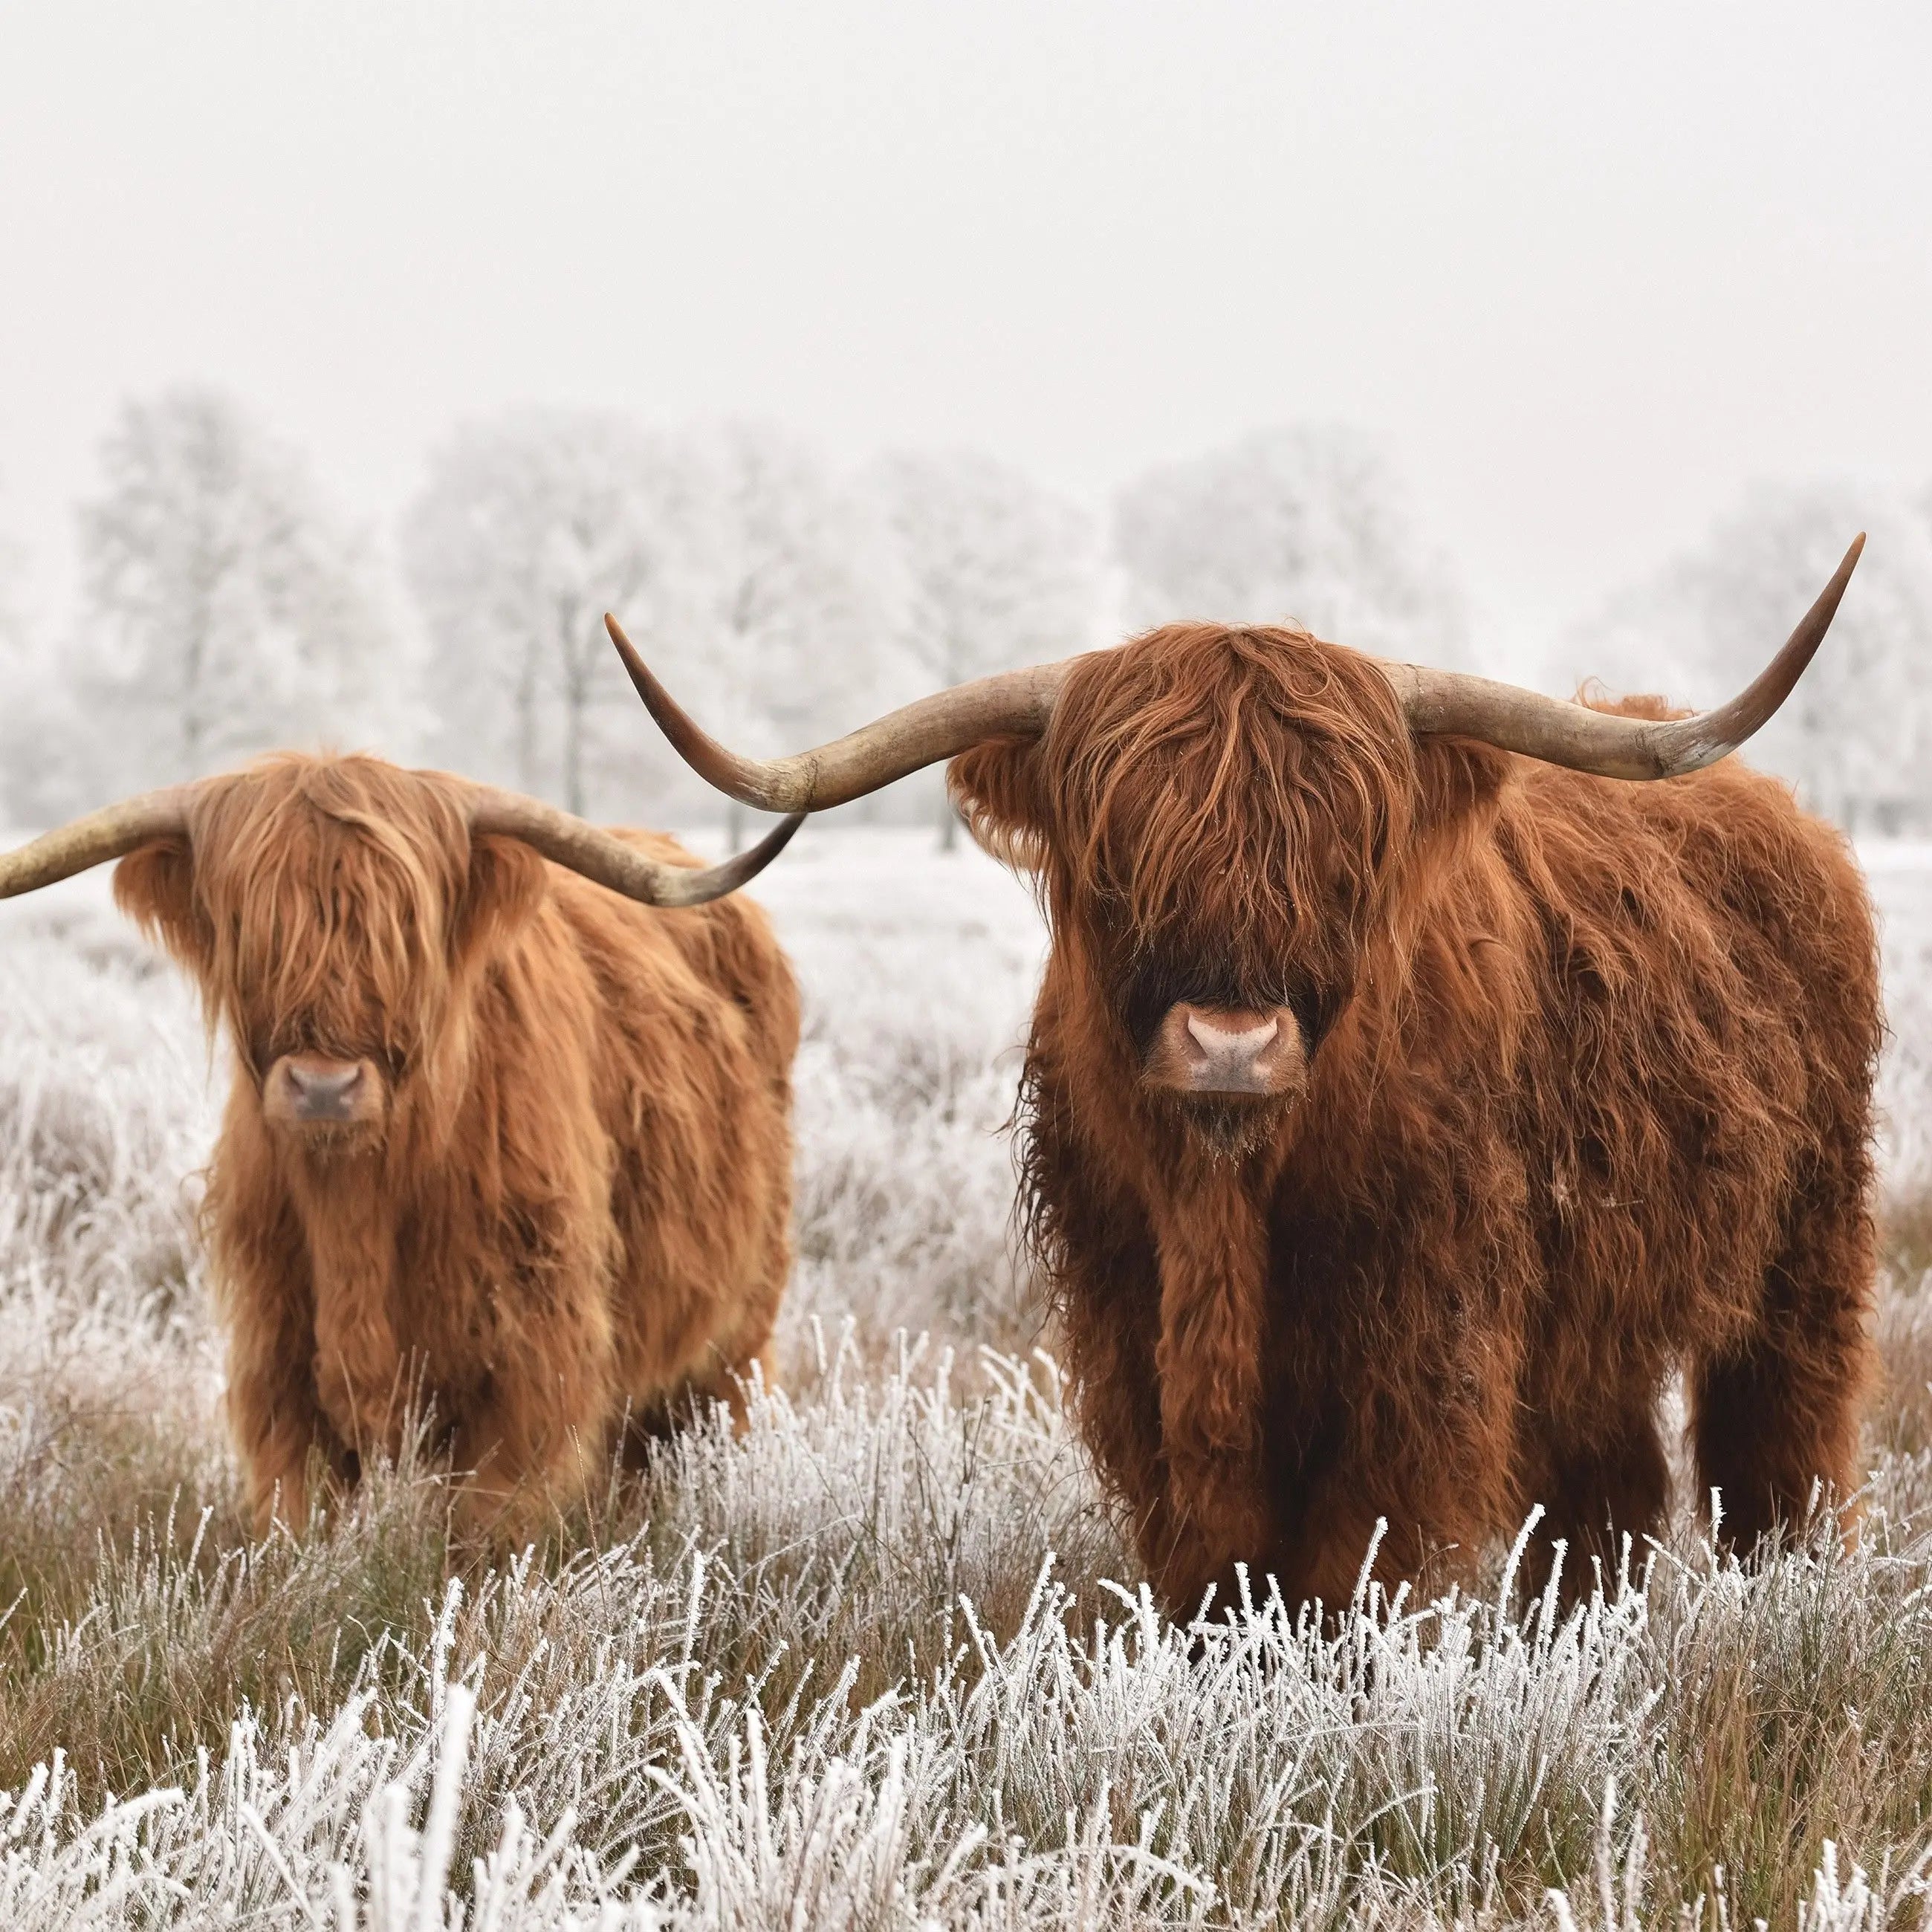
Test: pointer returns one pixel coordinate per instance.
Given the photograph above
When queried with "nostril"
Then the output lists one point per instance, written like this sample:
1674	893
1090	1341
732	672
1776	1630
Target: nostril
322	1092
309	1081
1223	1043
1233	1050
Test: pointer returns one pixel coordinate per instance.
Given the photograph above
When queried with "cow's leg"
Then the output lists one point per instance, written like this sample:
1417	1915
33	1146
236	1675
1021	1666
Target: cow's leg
277	1423
727	1379
1324	1562
656	1416
1779	1414
523	1469
1102	1270
532	1441
364	1380
1595	1492
759	1366
274	1413
1213	1248
264	1289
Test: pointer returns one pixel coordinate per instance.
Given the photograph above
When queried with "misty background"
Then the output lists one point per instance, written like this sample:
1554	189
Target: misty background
353	361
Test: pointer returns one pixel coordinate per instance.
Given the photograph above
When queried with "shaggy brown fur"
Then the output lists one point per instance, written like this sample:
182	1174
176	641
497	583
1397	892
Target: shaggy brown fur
1588	1098
570	1196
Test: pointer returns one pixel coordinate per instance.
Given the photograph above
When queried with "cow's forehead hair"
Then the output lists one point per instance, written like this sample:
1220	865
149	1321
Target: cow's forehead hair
329	884
1244	783
366	827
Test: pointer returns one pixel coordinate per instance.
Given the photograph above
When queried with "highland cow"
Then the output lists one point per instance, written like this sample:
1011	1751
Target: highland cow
1409	1094
502	1146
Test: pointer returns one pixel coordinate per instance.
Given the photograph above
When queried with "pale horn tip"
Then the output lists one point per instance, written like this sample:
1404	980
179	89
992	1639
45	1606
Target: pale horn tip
656	698
626	649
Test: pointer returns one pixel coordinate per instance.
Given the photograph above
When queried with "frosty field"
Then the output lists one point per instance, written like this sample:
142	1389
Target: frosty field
884	1662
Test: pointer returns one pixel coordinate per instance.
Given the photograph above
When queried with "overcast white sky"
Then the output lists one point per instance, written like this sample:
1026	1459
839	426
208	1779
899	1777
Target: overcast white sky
1585	271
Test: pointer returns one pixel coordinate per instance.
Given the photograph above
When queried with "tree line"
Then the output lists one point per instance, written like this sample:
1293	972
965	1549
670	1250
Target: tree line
228	607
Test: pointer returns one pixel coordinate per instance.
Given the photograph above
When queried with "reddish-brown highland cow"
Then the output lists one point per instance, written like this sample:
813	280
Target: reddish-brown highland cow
501	1144
1409	1094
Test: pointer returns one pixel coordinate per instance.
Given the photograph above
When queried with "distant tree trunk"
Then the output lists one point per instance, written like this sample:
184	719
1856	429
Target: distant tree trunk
526	722
577	681
194	725
193	729
573	749
952	672
734	827
215	564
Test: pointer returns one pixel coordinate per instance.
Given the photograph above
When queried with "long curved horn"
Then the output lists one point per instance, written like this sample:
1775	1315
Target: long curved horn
111	832
1011	703
118	829
568	840
1436	702
1455	704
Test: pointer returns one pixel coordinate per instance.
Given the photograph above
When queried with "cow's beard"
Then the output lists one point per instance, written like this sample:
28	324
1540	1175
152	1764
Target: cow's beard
333	1146
1229	1127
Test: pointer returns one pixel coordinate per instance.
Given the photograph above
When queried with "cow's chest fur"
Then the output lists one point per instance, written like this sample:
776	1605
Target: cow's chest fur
419	1296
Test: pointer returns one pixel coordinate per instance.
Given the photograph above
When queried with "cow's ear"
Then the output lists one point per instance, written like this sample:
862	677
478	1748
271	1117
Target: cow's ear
997	787
506	884
155	886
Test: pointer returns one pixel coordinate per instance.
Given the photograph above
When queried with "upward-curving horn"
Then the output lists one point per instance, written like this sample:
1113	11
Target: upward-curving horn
1453	704
1010	703
568	840
1019	703
118	829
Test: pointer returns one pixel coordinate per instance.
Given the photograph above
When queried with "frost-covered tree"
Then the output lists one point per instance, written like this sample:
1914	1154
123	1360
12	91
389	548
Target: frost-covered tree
531	527
1306	525
785	583
234	610
52	760
1855	736
992	570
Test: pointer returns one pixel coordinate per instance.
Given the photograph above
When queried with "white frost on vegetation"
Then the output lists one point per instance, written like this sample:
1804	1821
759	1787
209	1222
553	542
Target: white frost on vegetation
860	1668
1900	873
562	1751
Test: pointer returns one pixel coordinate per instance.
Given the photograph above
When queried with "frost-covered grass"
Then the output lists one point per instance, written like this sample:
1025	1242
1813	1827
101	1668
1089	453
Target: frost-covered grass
919	971
1901	881
882	1661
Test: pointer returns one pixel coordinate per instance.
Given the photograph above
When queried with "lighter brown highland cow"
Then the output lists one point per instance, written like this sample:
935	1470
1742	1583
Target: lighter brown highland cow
502	1144
1409	1094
